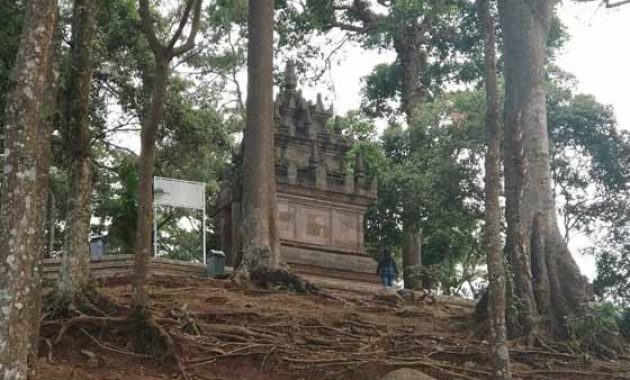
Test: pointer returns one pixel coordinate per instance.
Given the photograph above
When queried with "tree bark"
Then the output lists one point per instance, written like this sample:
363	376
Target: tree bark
534	244
48	117
146	163
75	267
412	61
494	254
260	246
411	255
20	242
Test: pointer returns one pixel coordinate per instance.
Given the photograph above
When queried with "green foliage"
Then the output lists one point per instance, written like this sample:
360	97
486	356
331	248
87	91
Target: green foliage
196	141
430	179
363	132
613	267
596	331
429	278
228	13
197	135
116	203
12	17
590	160
382	89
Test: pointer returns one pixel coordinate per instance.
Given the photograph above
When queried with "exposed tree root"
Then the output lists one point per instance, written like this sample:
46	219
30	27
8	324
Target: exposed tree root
151	340
268	278
102	322
337	340
113	349
87	302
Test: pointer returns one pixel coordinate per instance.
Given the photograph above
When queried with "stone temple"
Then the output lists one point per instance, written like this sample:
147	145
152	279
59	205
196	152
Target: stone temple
321	203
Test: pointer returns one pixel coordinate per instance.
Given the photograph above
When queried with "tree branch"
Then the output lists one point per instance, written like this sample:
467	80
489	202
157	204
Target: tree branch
608	3
617	4
147	27
239	93
182	23
190	42
361	10
350	27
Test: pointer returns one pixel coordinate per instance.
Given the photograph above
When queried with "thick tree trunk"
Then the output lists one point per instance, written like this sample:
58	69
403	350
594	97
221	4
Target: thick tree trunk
46	126
494	253
163	54
411	256
146	163
412	61
544	269
75	268
259	210
20	207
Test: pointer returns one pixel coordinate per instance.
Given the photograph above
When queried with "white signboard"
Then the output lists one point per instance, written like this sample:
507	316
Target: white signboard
177	193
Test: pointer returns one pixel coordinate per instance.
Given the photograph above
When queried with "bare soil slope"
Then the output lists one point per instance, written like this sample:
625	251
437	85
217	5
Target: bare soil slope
225	332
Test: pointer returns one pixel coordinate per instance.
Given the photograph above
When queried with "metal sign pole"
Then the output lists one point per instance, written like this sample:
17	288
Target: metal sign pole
203	237
155	232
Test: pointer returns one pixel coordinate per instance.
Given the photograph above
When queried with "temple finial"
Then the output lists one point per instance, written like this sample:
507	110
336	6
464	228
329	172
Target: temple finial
290	77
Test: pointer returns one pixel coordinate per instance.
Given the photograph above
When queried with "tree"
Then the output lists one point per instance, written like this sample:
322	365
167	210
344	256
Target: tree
47	122
260	239
21	211
431	173
75	269
542	265
590	162
493	243
427	36
589	159
194	140
163	55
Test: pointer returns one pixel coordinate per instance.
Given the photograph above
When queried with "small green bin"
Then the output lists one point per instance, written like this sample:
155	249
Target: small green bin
216	263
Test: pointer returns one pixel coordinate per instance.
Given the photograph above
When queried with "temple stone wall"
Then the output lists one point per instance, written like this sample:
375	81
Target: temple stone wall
320	224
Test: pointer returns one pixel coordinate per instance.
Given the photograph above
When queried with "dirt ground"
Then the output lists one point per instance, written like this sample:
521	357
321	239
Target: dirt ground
225	332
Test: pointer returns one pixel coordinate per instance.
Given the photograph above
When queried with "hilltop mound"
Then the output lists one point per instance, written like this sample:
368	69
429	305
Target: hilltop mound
226	332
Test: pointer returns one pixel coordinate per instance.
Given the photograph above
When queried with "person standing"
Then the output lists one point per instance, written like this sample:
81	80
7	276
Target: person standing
387	269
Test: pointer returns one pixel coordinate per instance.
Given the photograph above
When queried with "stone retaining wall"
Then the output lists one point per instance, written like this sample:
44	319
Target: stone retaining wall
122	266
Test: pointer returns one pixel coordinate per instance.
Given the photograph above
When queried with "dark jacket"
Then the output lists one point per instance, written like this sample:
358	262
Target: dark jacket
386	261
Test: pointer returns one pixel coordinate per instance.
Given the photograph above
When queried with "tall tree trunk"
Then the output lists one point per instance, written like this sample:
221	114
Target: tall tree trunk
163	54
494	253
20	243
259	216
534	244
75	268
411	256
146	163
48	117
412	61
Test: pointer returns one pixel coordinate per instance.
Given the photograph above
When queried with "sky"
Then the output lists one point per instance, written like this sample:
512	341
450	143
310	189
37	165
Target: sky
598	53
